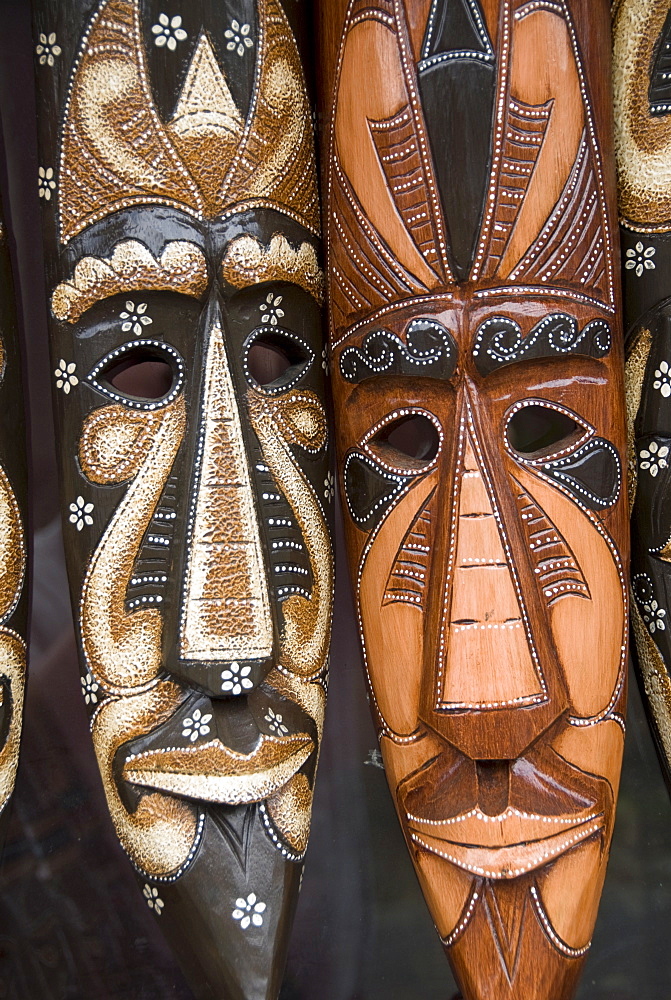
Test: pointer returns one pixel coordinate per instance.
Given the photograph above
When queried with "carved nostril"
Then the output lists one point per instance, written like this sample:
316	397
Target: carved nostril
493	785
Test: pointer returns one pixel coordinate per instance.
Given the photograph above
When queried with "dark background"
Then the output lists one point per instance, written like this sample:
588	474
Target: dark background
73	924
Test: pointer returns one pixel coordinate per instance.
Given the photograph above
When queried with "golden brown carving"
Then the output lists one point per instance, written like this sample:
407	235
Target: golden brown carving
12	549
290	811
637	360
13	669
307	621
160	834
212	772
123	650
181	267
226	607
655	679
207	127
12	646
247	262
117	152
642	142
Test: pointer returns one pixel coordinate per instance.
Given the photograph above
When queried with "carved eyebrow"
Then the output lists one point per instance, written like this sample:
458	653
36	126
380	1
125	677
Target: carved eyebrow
429	350
499	340
181	267
247	262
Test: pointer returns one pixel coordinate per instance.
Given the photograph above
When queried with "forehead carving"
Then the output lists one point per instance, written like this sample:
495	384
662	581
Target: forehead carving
539	222
181	267
206	161
247	262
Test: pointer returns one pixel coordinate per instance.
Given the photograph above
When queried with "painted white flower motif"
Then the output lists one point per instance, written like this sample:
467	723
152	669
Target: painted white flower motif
325	360
329	487
654	616
47	49
65	376
663	379
168	31
154	901
270	309
90	689
275	724
248	911
640	259
238	38
236	678
46	183
654	457
134	318
197	725
80	513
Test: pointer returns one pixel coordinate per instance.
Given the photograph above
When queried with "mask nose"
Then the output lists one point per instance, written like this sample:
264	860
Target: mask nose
225	637
495	683
486	622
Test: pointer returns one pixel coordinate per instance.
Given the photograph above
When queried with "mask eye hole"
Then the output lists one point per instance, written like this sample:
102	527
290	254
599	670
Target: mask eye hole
140	375
537	430
143	374
409	441
275	361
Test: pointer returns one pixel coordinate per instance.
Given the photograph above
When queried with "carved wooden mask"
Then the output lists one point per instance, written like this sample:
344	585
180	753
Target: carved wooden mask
642	40
182	233
478	398
13	505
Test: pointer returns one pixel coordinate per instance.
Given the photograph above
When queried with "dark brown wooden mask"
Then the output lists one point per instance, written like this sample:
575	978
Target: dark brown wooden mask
182	235
13	506
642	35
478	397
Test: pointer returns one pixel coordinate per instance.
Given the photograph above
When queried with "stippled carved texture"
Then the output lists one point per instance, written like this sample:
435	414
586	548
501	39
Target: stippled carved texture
642	43
13	554
185	284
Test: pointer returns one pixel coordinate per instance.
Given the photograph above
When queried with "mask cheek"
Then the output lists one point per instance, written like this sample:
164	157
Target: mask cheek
123	650
115	443
589	632
393	632
598	750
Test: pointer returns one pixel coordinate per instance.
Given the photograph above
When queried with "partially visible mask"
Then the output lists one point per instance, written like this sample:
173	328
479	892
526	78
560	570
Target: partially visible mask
185	291
13	507
642	34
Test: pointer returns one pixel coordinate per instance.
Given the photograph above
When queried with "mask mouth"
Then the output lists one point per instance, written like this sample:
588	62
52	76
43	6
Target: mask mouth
541	807
507	845
223	752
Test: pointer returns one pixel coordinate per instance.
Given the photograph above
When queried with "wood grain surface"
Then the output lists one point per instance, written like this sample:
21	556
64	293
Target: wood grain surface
476	350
